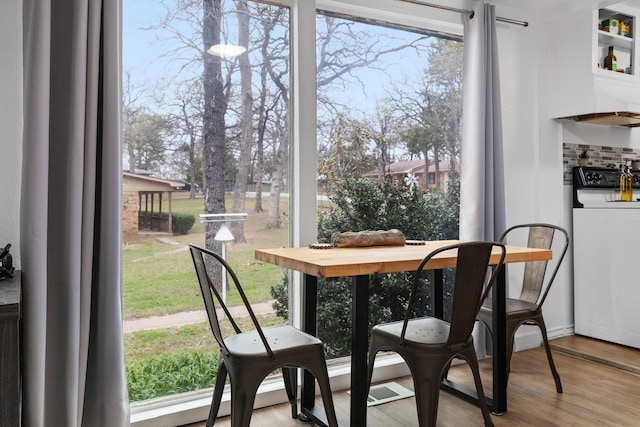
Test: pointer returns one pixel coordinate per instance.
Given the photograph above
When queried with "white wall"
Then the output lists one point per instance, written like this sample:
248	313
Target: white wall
533	138
10	124
533	150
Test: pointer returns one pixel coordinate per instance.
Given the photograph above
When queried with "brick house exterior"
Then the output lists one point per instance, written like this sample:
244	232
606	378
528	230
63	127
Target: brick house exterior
141	194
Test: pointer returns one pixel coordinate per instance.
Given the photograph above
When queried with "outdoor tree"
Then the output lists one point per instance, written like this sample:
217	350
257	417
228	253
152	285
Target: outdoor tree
245	99
213	119
383	129
344	48
245	124
144	132
186	121
347	154
145	141
432	111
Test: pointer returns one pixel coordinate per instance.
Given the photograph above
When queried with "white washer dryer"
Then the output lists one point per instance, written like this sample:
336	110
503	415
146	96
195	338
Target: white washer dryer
606	254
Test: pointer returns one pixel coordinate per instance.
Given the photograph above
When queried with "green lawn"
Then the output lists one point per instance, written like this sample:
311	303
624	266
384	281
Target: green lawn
158	271
159	279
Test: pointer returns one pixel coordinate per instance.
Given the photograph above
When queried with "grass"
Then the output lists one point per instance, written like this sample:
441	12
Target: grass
159	279
158	271
171	374
144	345
176	360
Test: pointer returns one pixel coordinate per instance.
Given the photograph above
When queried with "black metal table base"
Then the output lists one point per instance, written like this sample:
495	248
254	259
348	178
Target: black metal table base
359	347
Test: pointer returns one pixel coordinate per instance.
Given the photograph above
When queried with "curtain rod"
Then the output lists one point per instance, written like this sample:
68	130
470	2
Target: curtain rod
465	12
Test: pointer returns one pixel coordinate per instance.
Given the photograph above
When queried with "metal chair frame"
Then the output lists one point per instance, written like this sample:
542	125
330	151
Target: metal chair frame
527	308
428	344
247	357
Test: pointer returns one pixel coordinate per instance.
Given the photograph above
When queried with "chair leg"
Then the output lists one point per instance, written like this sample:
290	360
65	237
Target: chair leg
554	372
427	390
290	377
472	360
511	333
372	359
221	379
243	395
509	344
321	374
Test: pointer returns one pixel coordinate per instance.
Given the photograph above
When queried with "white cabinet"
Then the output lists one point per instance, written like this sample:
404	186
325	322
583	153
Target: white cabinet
606	294
620	34
578	83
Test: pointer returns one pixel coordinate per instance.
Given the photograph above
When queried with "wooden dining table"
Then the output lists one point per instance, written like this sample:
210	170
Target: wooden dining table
359	263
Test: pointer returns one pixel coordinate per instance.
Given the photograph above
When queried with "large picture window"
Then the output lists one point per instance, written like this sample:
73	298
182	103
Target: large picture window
209	129
389	111
206	133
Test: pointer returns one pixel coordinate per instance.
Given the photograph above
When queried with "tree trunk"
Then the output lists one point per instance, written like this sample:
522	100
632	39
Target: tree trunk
436	161
262	115
246	123
213	122
425	181
259	174
281	160
192	152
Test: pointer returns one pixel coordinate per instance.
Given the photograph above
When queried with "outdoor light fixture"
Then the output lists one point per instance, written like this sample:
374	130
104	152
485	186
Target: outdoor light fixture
224	235
226	50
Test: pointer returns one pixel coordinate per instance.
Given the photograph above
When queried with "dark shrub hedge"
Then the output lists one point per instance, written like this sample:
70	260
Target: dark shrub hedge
182	222
362	204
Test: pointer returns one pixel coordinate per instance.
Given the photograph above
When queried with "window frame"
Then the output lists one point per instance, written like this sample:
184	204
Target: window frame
194	406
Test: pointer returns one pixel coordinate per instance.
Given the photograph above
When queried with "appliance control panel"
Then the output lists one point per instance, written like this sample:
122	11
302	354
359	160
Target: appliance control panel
593	177
596	187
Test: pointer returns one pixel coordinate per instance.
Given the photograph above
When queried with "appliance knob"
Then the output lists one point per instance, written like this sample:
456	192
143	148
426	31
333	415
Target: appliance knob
588	177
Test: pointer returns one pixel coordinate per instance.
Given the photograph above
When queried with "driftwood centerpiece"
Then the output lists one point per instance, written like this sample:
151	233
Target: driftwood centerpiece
368	238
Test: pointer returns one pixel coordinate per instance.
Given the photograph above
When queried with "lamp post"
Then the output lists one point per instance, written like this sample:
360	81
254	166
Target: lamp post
224	235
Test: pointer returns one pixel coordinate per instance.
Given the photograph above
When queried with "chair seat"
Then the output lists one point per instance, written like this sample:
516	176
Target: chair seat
280	338
513	306
423	330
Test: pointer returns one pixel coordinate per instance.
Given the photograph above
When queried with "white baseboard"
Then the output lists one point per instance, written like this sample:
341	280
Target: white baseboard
529	337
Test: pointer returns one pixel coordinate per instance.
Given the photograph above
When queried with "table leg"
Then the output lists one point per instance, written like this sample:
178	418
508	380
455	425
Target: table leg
310	301
359	349
499	358
308	411
437	295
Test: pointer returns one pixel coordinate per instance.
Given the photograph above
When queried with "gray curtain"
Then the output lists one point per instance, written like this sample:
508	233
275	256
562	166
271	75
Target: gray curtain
482	197
73	357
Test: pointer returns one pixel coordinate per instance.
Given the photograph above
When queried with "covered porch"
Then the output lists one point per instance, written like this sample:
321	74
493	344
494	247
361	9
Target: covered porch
147	203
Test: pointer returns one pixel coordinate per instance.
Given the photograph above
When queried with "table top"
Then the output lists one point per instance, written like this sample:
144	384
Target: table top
342	262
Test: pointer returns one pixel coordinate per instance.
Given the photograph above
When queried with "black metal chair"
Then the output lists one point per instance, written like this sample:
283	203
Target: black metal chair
527	308
428	344
248	357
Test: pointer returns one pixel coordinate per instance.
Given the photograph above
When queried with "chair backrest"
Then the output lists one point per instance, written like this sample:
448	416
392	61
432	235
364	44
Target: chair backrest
540	236
212	297
471	286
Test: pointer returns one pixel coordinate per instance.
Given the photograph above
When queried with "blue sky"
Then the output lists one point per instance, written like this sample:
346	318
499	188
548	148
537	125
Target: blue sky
142	49
138	46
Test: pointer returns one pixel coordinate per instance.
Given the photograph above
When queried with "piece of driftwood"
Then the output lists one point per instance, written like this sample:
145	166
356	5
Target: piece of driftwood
368	238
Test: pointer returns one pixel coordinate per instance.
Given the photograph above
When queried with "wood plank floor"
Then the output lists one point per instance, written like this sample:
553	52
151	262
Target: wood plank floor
595	394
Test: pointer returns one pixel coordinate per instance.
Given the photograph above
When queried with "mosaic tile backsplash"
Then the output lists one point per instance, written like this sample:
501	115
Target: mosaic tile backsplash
600	156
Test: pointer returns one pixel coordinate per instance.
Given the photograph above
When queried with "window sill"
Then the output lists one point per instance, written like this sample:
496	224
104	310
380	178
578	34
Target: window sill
192	407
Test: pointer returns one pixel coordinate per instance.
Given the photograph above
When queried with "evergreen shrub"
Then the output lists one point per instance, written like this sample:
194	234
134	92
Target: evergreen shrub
359	204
